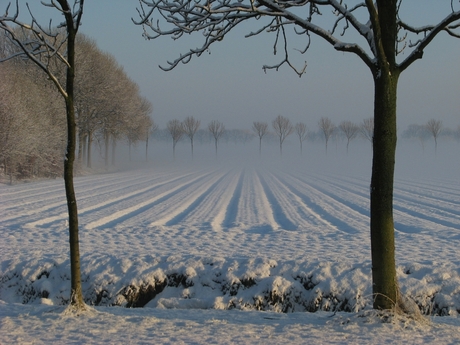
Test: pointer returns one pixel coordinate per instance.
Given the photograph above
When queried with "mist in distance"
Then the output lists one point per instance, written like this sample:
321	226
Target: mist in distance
413	161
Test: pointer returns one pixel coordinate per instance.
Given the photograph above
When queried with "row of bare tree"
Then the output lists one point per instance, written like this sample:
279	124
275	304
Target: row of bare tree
108	108
189	127
432	129
282	127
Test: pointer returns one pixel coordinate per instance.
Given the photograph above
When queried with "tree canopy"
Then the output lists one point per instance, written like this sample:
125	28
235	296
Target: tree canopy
349	26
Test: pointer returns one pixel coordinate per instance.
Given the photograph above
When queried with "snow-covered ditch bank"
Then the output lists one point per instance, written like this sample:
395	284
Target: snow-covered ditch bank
178	282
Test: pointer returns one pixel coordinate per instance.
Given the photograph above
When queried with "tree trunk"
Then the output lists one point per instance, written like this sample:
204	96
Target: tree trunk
385	286
80	148
76	296
129	149
114	145
11	167
147	148
84	149
174	150
260	147
88	155
106	148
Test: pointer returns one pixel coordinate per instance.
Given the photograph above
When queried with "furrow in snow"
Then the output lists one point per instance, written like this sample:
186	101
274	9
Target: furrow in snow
174	215
87	192
342	215
209	206
142	206
222	206
274	197
254	211
427	204
104	204
232	207
352	196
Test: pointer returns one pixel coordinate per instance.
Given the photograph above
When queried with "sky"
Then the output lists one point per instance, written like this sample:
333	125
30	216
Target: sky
229	85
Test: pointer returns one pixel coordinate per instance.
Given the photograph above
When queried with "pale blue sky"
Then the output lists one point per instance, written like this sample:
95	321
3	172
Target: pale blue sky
229	84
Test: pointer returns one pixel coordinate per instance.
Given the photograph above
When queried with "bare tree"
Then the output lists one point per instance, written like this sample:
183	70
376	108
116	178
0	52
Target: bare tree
379	35
434	127
43	48
283	128
302	133
327	127
367	129
217	129
191	125
350	130
176	130
260	128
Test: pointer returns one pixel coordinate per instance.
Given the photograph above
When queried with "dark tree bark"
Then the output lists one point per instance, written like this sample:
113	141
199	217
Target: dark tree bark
114	146
76	295
106	149
386	74
89	147
147	148
385	286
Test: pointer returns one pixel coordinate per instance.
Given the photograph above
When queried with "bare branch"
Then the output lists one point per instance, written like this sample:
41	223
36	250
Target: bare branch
214	19
286	56
42	46
449	24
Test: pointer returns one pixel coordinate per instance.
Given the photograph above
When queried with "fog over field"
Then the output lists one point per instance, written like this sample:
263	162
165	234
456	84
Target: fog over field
413	157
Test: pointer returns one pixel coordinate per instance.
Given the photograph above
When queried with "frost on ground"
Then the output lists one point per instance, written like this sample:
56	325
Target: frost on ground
179	282
219	254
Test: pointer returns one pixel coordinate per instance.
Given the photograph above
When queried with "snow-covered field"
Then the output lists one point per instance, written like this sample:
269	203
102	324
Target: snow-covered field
232	250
